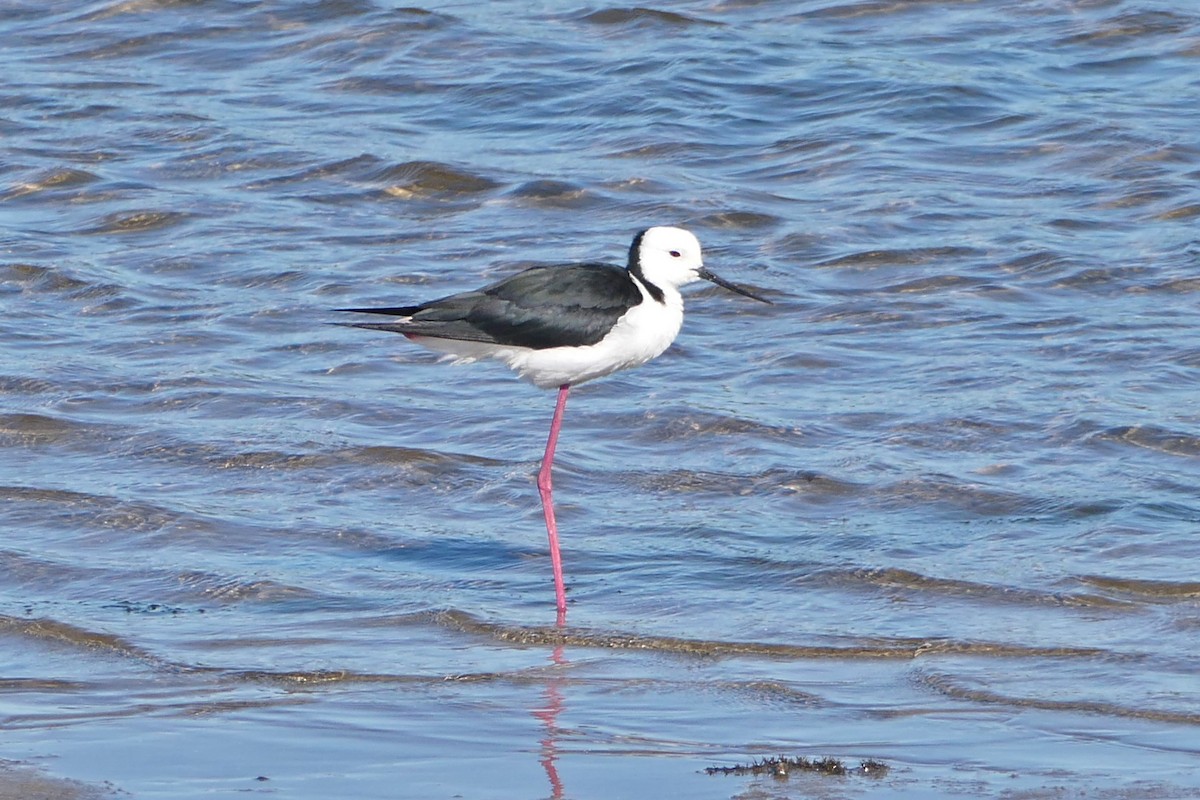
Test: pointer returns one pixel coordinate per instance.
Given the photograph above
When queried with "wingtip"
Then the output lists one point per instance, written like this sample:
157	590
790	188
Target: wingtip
391	311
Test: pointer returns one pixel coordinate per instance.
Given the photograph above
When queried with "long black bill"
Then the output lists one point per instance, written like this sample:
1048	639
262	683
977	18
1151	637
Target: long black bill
733	287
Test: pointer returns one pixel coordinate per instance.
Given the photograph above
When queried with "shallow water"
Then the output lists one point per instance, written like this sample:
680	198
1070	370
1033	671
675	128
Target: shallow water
936	507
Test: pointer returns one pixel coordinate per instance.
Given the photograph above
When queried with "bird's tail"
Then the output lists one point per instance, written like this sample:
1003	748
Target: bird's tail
390	327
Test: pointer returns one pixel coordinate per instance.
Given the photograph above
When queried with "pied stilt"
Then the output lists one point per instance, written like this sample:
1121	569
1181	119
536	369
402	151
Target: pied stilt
558	326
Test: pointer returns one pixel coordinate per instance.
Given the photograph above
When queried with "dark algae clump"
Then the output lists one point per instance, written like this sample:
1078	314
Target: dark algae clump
782	766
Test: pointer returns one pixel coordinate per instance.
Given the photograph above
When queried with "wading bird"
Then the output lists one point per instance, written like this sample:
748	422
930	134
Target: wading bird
558	326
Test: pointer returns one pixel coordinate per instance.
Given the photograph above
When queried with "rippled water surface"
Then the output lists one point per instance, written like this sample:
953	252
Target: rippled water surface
937	507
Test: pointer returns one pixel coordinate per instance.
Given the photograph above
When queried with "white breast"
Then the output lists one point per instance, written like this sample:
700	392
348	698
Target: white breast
643	333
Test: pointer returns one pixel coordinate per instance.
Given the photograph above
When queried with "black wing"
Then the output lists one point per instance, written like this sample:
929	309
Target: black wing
539	308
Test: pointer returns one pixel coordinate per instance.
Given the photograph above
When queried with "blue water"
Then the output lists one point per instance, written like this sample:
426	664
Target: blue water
935	507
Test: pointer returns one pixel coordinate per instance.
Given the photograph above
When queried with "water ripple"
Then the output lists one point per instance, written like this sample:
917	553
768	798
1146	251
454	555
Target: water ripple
948	476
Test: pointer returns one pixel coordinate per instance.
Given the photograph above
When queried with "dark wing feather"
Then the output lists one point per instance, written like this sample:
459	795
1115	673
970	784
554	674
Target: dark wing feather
394	311
539	308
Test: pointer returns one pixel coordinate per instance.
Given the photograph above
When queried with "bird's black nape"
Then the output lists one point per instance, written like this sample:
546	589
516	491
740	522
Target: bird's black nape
635	250
635	267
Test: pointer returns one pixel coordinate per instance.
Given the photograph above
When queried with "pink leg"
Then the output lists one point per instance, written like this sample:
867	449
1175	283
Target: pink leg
546	490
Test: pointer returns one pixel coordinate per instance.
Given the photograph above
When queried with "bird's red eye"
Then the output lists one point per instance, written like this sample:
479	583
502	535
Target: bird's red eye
675	254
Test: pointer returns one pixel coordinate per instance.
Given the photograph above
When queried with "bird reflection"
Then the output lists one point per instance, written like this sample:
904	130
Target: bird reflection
548	714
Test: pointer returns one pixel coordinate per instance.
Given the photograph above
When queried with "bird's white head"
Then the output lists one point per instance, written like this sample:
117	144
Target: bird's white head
667	258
